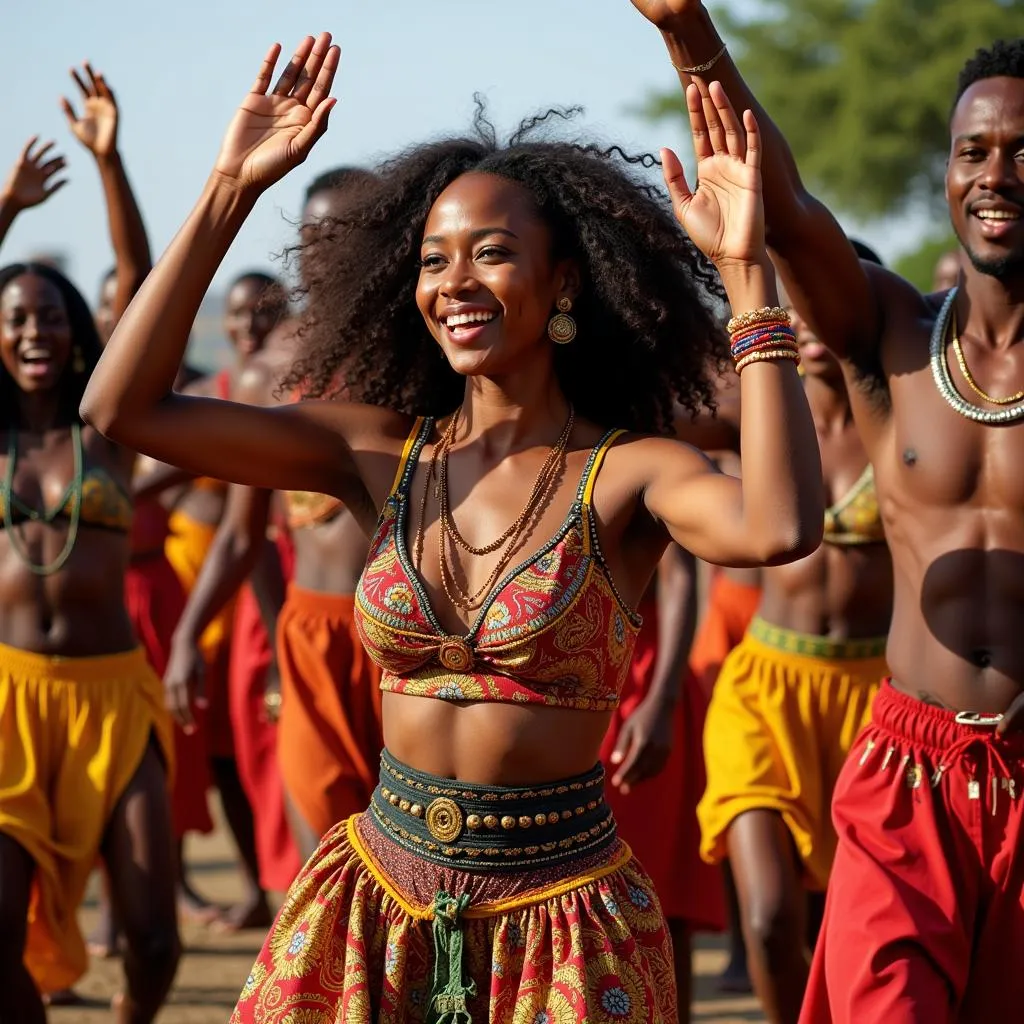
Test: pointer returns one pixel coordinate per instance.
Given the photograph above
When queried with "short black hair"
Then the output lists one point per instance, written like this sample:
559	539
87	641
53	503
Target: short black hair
84	337
338	177
1003	59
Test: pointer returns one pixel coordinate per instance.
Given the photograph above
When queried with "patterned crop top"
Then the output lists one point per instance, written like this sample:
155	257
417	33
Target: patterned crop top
553	631
856	519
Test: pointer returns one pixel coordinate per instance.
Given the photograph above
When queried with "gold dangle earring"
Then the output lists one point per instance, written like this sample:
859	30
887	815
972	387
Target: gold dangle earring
77	360
562	327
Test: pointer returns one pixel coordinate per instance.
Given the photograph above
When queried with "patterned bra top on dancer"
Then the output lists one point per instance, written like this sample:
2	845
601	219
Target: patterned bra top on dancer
856	518
554	631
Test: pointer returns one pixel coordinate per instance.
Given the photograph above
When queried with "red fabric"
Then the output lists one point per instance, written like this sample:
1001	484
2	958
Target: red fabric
155	599
924	918
730	608
659	817
256	738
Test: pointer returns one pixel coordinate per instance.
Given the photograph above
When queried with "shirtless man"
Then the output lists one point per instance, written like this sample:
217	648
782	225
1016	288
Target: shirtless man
925	902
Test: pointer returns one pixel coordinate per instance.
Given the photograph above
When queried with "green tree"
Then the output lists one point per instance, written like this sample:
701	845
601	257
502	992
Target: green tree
862	89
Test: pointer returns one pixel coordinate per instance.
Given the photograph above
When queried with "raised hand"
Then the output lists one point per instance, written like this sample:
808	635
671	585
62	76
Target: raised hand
96	129
665	13
32	179
274	132
724	216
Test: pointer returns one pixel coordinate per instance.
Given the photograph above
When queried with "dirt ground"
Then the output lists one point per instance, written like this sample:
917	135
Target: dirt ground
215	966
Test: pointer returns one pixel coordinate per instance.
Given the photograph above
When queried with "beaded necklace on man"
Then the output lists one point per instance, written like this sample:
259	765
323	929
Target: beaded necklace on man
944	323
450	537
12	502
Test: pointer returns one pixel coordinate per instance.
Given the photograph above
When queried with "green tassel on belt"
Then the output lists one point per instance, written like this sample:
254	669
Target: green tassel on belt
450	991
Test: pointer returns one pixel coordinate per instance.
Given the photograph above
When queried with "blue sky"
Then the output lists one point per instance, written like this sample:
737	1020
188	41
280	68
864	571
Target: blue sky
409	71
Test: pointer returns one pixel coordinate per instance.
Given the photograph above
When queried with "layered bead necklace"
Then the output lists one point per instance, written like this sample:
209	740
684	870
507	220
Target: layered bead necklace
1013	406
513	538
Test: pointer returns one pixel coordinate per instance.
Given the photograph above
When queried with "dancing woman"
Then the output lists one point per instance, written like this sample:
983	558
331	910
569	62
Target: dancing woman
486	878
86	741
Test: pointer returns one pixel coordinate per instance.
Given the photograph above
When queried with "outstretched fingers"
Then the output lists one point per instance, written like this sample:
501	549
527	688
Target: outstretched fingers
321	87
698	123
82	87
716	130
675	181
732	131
266	71
310	73
753	157
294	67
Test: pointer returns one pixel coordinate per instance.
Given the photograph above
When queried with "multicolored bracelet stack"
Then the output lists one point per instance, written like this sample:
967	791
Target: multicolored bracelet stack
761	335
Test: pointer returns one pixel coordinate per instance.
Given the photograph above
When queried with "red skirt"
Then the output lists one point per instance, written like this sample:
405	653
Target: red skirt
659	817
155	599
256	738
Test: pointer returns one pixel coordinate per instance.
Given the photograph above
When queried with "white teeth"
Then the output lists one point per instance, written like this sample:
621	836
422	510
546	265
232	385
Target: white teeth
997	215
461	319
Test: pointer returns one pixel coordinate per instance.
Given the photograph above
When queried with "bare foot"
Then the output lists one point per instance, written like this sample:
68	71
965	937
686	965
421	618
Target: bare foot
193	907
119	1004
254	914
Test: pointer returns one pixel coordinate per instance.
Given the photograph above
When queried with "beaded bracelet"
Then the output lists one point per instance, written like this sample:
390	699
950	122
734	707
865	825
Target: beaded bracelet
766	314
766	337
769	355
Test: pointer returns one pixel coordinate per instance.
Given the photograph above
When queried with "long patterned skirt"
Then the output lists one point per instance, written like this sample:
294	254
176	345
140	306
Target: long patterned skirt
447	903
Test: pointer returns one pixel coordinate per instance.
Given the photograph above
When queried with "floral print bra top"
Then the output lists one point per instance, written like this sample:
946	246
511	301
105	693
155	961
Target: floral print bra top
553	631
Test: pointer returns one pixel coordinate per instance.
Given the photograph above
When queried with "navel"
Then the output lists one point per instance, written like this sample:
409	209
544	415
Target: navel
981	658
909	457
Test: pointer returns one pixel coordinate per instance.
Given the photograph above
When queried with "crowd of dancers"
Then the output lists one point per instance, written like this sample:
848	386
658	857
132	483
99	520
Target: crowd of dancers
504	773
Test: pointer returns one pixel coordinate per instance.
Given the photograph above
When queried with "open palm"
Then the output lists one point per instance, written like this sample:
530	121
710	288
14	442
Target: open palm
724	216
33	179
272	132
96	129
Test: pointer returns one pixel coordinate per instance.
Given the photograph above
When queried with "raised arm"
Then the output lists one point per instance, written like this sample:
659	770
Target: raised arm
130	396
97	129
32	180
819	267
775	513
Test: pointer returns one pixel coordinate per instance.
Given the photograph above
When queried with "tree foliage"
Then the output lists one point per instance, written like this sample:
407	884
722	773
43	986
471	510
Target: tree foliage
862	89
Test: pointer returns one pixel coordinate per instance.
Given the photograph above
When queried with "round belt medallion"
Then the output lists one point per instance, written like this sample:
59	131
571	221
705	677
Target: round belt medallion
455	654
444	820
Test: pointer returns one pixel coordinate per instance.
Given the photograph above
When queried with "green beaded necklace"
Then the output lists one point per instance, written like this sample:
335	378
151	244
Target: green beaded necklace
12	501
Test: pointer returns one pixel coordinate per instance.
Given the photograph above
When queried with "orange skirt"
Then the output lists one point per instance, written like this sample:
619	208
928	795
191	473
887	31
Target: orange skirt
155	599
659	817
256	739
329	736
729	610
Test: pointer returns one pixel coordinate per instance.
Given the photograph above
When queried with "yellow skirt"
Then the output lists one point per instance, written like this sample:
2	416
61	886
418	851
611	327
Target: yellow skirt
186	548
73	732
784	713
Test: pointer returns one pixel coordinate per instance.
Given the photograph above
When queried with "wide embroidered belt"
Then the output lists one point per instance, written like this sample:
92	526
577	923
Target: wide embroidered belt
491	827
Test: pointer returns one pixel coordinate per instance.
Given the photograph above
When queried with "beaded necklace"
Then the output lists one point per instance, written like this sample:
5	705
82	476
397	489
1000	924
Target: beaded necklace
944	380
12	501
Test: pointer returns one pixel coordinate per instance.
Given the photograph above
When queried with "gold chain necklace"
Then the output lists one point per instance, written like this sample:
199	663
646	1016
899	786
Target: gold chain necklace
971	382
515	535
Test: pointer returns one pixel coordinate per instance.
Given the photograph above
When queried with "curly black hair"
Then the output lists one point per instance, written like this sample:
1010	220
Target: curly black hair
1003	59
648	334
84	337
